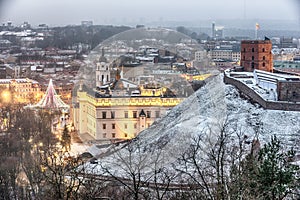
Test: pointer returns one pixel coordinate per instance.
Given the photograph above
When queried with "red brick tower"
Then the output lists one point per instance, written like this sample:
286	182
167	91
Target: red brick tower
256	54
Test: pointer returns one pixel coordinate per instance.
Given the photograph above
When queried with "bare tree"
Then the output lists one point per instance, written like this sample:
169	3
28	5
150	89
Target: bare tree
132	165
162	177
62	175
209	159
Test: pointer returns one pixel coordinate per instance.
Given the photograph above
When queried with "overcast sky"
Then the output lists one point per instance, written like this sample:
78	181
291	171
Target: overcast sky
63	12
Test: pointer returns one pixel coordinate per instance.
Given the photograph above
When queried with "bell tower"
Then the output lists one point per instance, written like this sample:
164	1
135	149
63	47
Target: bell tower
102	71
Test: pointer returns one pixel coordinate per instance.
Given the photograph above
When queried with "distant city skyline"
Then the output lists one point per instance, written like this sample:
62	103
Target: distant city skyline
117	12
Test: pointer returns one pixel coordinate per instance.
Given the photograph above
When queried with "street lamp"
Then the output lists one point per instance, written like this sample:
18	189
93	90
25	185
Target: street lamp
6	96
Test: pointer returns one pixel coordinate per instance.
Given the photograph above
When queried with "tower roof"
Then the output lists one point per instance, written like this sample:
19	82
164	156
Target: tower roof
142	113
102	57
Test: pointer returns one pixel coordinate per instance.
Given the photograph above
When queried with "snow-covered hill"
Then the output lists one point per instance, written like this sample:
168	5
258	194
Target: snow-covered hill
205	113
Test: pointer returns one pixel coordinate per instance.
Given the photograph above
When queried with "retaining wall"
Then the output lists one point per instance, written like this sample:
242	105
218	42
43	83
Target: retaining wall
251	94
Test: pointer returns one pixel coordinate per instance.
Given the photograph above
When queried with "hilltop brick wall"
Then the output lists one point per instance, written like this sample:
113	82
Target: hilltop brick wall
253	96
288	91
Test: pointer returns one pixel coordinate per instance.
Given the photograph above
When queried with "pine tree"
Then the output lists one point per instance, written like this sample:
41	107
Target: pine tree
276	176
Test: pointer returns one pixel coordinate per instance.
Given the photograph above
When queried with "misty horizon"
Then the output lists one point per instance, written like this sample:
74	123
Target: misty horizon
116	12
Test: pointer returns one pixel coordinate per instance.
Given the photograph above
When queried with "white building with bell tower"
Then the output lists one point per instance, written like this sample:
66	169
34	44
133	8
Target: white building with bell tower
102	71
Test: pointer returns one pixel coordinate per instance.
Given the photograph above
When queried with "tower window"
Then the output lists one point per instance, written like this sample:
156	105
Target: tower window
263	50
264	64
252	49
252	57
252	65
264	57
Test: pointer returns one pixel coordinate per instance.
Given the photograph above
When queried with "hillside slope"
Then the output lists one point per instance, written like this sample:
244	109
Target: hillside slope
204	114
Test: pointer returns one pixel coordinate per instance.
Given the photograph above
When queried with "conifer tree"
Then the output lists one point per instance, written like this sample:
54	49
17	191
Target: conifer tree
276	175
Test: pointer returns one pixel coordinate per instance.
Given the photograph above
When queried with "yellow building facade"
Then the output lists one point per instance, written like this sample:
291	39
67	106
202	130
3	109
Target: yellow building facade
20	91
119	118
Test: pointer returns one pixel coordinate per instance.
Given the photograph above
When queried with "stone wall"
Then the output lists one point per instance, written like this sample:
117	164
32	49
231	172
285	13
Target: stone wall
288	91
251	94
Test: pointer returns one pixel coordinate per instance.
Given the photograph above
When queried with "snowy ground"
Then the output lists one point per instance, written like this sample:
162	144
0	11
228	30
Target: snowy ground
203	114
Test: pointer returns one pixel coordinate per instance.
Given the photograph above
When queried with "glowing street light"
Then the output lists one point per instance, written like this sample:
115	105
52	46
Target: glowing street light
6	96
